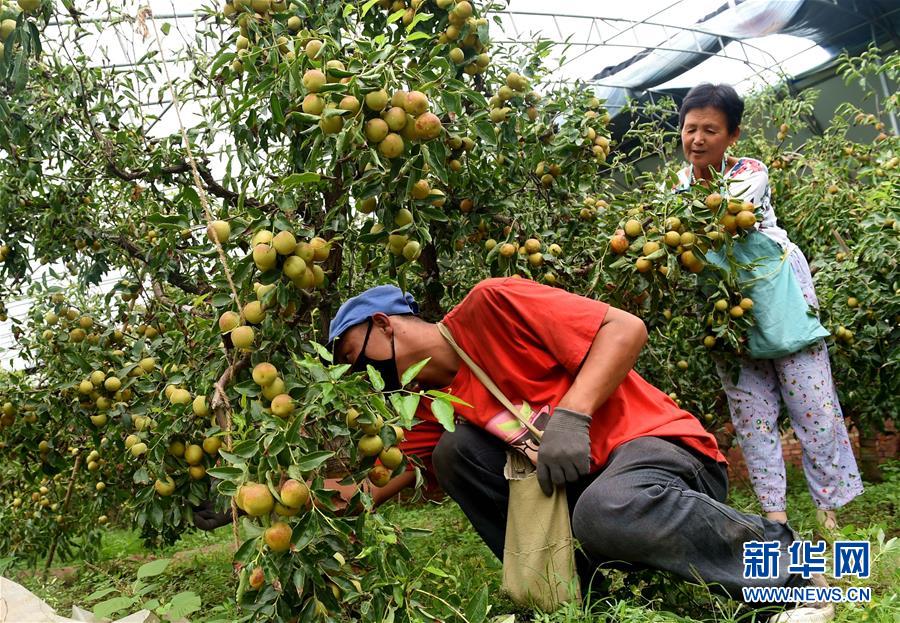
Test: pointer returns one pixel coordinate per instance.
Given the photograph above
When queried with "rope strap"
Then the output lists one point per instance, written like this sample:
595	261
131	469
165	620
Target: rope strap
204	203
482	376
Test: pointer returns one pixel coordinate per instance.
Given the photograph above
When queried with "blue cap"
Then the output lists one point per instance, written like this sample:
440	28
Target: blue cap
389	300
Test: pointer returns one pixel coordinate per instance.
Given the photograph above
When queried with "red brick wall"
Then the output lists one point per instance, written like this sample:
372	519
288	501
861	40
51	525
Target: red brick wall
887	443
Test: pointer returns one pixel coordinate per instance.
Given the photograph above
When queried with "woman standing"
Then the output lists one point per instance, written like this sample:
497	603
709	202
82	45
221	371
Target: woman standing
710	118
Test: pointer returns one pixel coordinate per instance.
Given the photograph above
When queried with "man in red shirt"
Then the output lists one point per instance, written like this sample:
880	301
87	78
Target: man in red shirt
645	482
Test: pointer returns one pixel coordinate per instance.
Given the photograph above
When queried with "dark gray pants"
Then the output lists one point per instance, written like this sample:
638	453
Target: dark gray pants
655	504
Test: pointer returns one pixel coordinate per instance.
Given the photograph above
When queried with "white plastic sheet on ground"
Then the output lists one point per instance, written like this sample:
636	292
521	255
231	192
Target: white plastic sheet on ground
19	605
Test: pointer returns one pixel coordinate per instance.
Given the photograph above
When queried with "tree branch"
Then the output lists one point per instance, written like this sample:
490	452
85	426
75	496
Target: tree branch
220	404
130	176
434	290
65	507
108	150
178	280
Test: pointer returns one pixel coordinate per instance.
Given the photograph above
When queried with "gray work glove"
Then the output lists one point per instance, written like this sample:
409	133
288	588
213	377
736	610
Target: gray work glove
565	451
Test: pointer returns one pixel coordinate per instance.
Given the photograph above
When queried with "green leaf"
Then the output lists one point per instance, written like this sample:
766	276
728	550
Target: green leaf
334	112
183	604
246	449
436	157
406	406
396	399
109	607
247	550
302	117
435	393
103	592
443	411
173	221
477	98
323	352
153	604
338	371
141	589
156	516
221	299
232	474
411	372
438	572
221	60
375	378
313	460
299	179
335	87
277	113
381	406
292	436
483	33
152	568
485	132
281	223
35	38
420	17
452	102
166	27
658	254
395	16
367	6
226	488
140	476
477	608
433	214
20	71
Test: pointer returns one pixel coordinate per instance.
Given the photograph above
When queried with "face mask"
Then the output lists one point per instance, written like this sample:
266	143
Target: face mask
387	368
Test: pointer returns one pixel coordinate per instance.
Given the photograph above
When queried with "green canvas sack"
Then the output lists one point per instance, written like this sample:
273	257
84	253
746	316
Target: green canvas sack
539	551
783	321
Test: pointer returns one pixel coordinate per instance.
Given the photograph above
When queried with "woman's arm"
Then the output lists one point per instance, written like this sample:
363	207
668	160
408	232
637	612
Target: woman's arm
752	185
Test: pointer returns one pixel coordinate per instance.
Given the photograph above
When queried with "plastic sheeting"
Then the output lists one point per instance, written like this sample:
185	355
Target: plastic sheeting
835	25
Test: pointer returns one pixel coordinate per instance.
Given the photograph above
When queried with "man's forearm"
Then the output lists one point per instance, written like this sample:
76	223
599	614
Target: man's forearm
613	353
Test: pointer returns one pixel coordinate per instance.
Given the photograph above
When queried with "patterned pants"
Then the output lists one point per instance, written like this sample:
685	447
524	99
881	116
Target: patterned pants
803	382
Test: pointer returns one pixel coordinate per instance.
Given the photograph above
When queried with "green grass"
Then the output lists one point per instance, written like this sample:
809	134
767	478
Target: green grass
201	562
649	597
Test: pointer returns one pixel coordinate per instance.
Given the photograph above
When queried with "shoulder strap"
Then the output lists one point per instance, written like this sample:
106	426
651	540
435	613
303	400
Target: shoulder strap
488	383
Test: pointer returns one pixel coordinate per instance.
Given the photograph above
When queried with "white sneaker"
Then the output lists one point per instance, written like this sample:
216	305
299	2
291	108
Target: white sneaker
817	613
808	613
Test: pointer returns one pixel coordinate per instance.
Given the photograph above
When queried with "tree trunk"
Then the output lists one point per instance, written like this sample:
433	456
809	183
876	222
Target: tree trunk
431	304
868	454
